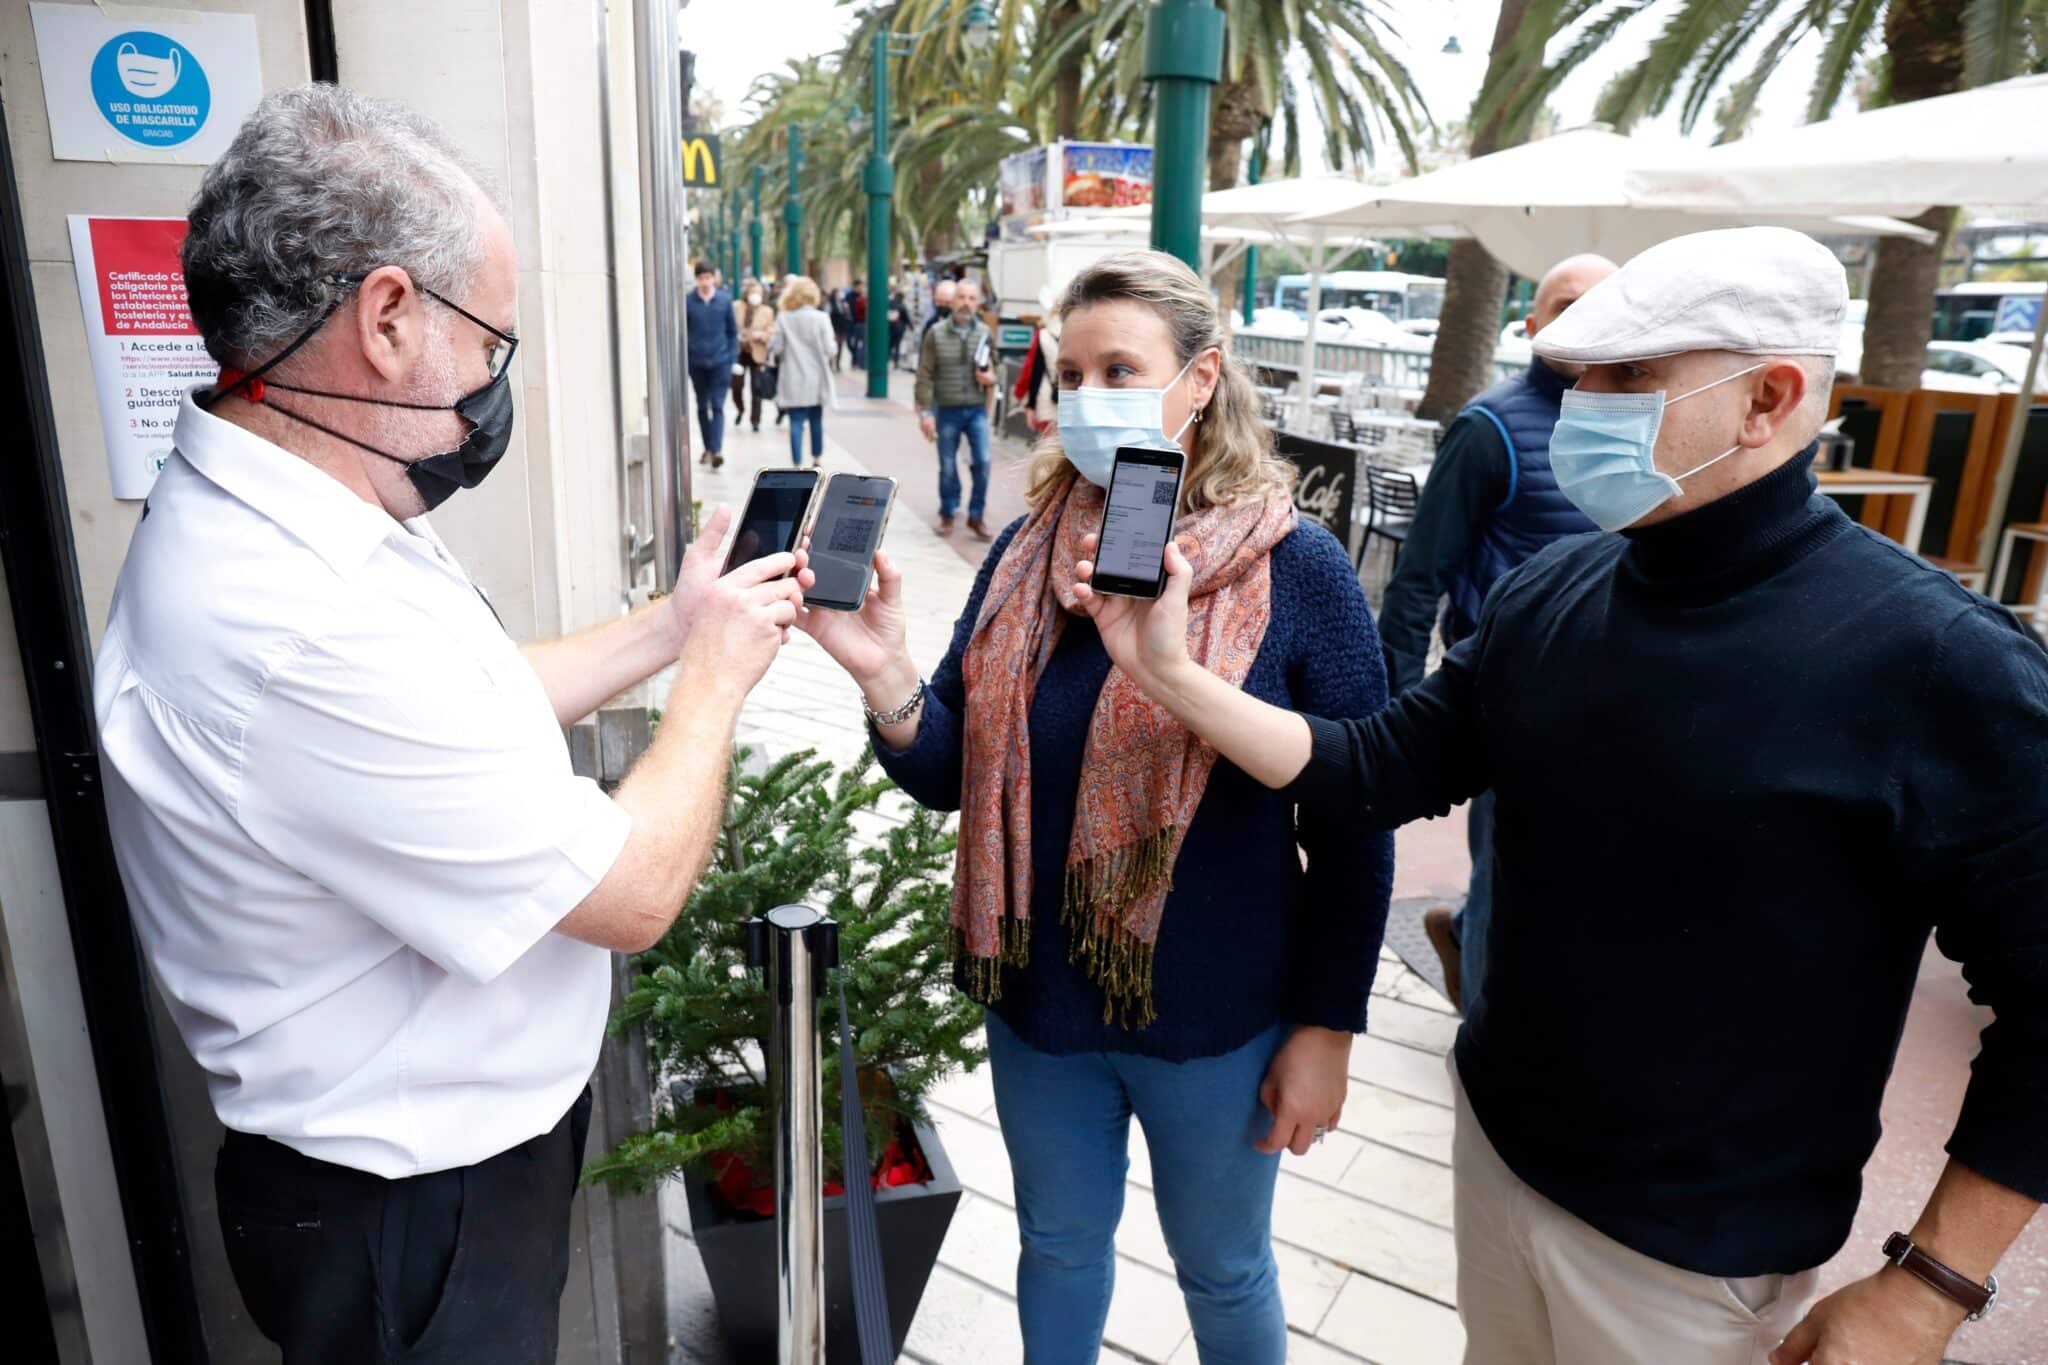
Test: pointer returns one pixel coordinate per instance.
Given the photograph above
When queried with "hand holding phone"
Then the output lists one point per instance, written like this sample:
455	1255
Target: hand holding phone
1137	521
773	523
853	514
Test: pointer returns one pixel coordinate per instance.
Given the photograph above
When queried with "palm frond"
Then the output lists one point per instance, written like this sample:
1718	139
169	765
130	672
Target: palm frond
1846	40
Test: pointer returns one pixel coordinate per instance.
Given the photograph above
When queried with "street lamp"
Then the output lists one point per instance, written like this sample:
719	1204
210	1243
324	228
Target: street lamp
980	26
754	226
792	208
1251	253
1184	60
878	177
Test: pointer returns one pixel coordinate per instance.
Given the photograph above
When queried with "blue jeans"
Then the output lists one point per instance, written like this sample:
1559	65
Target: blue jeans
709	383
815	416
1066	1122
1469	925
954	423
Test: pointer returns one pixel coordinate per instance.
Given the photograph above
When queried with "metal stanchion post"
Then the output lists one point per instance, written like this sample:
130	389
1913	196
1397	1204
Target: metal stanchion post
797	946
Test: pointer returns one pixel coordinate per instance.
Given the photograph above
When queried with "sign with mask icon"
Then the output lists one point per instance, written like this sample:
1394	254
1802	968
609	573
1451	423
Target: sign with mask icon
127	86
145	349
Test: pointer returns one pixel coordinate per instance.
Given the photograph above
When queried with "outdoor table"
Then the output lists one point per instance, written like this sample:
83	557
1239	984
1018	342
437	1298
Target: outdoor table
2031	530
1879	483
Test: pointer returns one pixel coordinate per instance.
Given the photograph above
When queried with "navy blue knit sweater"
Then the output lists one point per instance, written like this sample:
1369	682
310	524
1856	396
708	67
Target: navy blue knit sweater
1250	936
1742	761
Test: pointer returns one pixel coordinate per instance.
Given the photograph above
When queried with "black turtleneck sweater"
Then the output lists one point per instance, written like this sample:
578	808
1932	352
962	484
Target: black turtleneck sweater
1744	762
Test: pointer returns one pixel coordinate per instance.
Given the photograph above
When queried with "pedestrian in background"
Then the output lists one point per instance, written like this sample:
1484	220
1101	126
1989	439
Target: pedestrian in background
756	323
1491	501
1747	755
941	309
714	346
841	320
857	324
1139	920
955	372
899	323
801	347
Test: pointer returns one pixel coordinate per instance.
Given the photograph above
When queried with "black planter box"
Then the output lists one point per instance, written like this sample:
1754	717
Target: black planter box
739	1260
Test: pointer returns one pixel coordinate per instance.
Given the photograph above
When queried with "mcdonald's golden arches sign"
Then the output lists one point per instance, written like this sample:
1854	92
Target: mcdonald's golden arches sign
700	159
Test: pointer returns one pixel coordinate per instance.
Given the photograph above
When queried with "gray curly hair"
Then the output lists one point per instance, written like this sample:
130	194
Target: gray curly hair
323	181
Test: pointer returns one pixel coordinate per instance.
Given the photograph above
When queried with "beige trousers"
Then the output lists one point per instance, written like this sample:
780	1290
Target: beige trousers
1537	1286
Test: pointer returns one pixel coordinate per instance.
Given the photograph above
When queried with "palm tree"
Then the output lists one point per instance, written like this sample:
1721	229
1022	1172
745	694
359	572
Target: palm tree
1913	48
1476	284
1338	54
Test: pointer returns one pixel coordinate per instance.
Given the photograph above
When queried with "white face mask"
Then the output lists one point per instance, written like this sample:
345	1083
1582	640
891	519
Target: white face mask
1604	453
1094	423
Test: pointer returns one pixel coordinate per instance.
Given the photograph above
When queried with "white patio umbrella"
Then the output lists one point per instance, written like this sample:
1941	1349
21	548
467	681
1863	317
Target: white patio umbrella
1221	245
1533	205
1985	147
1280	207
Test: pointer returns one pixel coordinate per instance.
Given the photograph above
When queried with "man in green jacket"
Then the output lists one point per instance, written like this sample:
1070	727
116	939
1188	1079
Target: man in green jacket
955	370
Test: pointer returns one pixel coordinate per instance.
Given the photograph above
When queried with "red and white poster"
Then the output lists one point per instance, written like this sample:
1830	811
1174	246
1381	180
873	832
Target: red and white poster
145	350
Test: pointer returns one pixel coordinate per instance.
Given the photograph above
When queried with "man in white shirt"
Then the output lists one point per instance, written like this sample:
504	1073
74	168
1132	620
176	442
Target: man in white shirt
375	897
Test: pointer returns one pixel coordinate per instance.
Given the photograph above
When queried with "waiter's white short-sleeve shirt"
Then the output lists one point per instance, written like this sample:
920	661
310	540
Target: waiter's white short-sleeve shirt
345	818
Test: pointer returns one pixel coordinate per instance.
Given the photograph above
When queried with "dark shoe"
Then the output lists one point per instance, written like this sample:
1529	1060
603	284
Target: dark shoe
718	461
1437	924
980	529
757	426
945	526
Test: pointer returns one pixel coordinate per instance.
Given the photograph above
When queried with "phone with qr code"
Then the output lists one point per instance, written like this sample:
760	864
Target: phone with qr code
853	513
1137	521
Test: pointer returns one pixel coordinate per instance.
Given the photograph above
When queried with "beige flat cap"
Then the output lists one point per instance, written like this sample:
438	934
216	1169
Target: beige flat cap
1754	290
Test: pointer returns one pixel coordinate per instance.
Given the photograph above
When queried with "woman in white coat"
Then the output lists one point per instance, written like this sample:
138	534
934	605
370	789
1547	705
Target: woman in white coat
803	345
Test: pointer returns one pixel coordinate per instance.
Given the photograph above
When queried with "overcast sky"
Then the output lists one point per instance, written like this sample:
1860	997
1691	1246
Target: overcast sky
736	40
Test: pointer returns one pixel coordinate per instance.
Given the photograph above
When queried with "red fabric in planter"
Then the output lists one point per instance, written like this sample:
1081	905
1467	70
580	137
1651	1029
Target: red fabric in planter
740	1188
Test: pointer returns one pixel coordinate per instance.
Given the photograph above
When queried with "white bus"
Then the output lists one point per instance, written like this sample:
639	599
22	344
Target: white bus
1400	296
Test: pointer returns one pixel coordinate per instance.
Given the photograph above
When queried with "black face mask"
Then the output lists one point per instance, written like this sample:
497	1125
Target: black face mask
435	478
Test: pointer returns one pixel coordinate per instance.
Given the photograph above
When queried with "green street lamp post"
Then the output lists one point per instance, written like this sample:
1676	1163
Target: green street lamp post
878	179
1251	253
792	208
1183	60
754	226
734	254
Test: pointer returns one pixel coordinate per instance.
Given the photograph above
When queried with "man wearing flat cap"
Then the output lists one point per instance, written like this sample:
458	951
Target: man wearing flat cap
1746	755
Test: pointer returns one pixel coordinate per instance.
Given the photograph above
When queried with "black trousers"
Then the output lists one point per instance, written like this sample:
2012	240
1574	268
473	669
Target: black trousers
341	1267
741	384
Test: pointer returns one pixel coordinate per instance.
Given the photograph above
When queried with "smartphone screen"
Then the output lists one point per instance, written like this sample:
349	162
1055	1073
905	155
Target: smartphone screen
848	529
774	518
1144	496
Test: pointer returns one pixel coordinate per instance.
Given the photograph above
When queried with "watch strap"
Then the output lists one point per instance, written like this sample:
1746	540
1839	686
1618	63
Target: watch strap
1976	1299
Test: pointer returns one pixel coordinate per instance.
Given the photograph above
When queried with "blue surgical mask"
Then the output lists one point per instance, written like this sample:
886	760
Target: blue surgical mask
1094	423
1603	452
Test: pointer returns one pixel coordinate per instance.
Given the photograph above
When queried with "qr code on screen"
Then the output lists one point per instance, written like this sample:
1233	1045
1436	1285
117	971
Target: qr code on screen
1162	493
850	536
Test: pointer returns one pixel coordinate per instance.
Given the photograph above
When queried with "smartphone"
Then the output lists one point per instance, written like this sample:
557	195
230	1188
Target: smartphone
853	512
773	522
1137	521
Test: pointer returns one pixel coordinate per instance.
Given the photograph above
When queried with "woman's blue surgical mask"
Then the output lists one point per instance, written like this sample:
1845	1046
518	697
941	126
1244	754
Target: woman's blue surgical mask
1095	422
1603	452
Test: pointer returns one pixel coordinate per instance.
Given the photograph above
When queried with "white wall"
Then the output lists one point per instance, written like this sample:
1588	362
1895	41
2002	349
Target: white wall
519	84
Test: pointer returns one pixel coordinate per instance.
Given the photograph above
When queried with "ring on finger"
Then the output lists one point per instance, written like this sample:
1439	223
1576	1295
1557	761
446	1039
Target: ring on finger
1321	1131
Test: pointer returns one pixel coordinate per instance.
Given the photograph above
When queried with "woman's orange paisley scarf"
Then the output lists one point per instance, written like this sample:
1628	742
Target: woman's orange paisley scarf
1142	773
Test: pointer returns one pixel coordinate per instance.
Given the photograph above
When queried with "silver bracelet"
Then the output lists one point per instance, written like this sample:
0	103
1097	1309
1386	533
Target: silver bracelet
880	719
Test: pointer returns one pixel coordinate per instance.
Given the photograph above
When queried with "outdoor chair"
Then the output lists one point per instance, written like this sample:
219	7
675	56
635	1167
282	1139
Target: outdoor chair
1391	496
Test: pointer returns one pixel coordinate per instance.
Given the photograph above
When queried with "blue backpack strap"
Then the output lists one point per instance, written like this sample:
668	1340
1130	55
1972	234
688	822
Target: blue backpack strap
1507	443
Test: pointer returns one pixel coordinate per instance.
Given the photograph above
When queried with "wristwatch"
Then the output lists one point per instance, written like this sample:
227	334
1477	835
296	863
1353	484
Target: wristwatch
1950	1284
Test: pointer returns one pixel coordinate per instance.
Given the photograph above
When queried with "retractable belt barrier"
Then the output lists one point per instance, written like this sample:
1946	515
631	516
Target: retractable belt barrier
797	946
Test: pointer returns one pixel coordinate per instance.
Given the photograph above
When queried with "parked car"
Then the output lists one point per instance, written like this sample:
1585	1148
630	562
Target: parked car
1977	367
